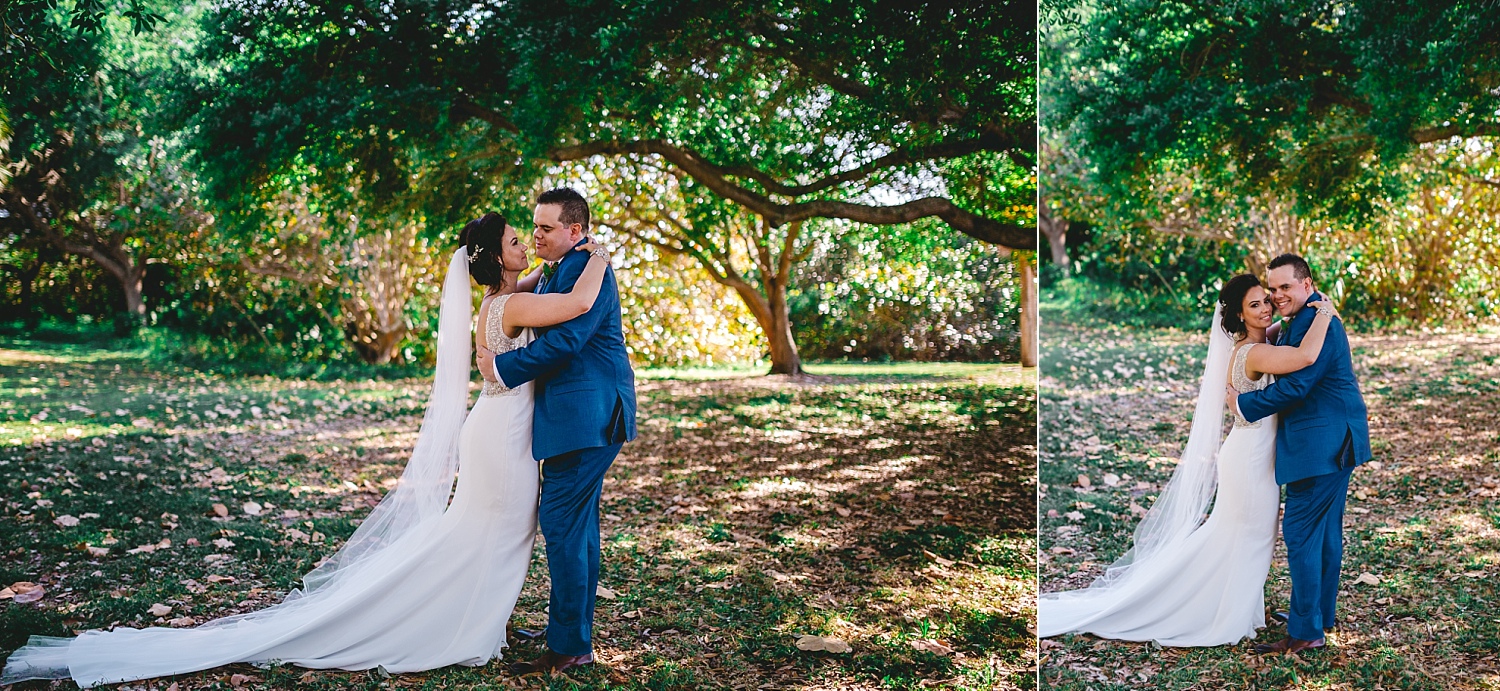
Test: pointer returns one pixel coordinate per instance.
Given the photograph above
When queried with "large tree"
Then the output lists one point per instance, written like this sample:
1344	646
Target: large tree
871	112
87	169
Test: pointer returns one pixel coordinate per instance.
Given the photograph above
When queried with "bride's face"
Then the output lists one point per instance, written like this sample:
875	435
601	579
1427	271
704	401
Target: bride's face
513	251
1257	309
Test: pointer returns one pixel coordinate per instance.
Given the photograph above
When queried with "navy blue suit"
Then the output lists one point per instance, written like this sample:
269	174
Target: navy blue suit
1323	433
585	412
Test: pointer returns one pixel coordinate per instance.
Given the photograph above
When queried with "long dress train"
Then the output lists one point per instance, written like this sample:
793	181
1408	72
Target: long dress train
440	594
1207	588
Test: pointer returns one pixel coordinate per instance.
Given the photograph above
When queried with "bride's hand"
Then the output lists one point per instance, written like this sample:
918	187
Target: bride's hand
589	246
1320	304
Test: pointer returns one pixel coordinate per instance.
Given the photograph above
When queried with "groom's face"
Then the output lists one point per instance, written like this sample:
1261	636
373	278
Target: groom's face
553	240
1288	292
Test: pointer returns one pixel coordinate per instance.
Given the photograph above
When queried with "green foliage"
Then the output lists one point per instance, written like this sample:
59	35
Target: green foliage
311	131
909	292
1321	99
1141	278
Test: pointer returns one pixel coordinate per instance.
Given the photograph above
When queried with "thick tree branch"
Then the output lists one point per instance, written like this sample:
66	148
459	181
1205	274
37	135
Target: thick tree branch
1433	134
1013	143
466	106
111	259
1011	235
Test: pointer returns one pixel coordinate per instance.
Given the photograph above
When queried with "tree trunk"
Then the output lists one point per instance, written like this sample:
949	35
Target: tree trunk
27	276
1029	335
1056	230
376	347
784	356
133	282
775	321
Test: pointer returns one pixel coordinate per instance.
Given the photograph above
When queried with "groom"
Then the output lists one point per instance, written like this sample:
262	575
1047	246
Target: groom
585	411
1323	434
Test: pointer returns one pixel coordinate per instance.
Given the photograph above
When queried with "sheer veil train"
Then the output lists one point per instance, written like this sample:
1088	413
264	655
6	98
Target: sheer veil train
1182	505
421	495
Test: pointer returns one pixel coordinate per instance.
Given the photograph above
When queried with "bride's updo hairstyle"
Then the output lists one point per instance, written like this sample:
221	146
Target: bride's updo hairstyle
482	238
1232	303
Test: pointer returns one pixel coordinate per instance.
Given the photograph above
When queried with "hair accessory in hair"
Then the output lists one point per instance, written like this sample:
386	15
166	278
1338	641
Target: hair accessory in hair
475	254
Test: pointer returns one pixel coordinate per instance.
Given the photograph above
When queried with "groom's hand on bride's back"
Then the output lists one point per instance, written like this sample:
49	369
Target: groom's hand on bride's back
485	359
1231	398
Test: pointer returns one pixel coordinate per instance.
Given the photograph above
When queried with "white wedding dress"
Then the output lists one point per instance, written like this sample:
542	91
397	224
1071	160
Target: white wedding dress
430	586
1193	584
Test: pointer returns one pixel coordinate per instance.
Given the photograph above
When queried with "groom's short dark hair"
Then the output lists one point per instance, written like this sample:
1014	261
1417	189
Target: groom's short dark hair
1298	264
574	208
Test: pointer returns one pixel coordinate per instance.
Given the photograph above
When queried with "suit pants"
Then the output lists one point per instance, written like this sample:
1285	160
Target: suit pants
1312	526
569	519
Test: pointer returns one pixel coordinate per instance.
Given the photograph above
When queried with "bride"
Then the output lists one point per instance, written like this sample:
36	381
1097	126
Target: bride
1188	581
423	583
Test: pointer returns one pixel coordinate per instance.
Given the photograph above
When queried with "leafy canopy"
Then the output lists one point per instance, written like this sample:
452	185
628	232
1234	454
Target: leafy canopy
1322	99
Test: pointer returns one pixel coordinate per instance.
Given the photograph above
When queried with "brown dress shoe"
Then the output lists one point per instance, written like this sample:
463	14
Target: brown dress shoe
551	662
1288	646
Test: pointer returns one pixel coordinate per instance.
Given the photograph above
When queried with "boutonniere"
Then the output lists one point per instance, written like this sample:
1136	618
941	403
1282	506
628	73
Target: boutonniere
548	268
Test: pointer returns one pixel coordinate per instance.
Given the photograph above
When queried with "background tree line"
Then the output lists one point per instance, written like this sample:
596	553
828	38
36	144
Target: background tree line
280	183
1184	142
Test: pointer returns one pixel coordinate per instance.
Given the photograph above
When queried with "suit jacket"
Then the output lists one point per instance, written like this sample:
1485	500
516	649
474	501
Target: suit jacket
585	388
1320	406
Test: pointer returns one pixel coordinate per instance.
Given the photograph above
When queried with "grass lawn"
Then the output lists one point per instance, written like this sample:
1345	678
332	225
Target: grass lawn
1423	518
890	506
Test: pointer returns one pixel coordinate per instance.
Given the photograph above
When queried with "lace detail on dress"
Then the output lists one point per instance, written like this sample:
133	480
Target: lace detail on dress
495	338
1243	383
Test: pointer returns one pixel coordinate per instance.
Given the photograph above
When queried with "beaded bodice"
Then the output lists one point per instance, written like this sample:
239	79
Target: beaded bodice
496	340
1243	383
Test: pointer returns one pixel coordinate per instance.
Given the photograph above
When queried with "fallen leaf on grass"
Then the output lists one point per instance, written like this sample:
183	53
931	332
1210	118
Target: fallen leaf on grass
1368	579
221	510
66	521
147	549
931	646
812	643
23	591
251	508
159	610
1084	481
238	680
606	593
181	622
842	511
941	561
